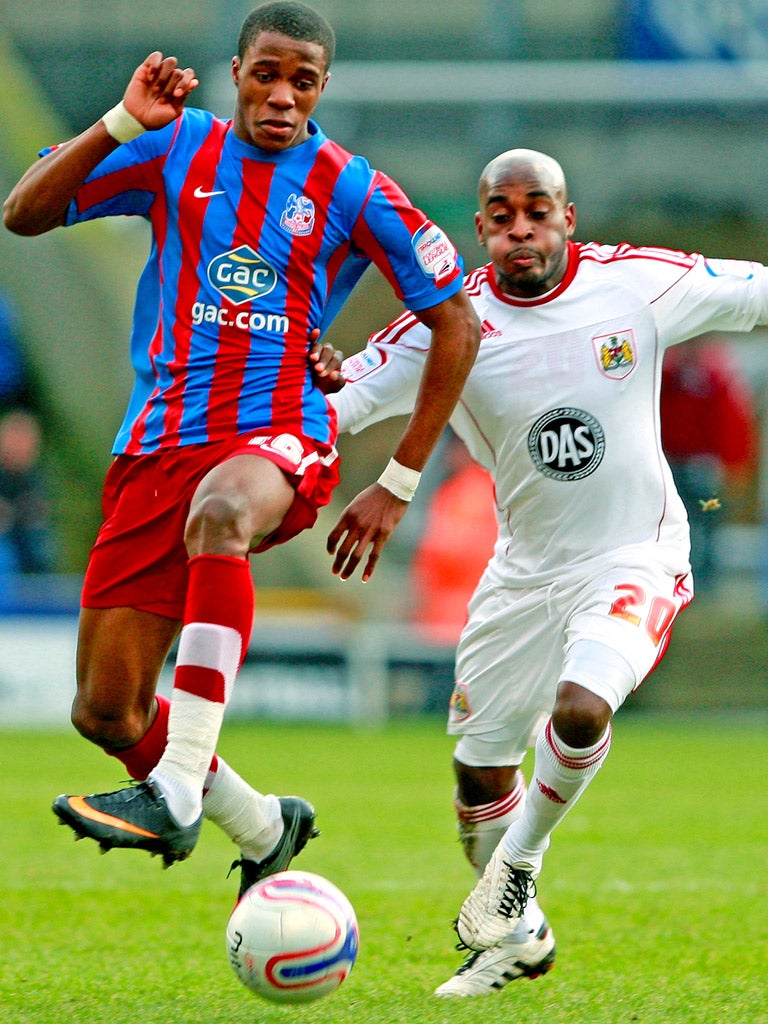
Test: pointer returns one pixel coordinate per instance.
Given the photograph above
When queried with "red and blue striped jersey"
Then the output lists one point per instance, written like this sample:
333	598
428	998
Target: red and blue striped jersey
250	252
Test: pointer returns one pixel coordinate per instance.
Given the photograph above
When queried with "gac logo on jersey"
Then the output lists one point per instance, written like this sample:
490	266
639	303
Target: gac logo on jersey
566	444
298	217
434	251
615	354
241	275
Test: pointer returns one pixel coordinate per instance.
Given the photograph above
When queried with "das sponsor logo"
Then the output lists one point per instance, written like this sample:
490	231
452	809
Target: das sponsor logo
566	444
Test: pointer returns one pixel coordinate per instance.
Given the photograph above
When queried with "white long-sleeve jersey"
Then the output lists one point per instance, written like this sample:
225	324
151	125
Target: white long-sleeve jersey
562	404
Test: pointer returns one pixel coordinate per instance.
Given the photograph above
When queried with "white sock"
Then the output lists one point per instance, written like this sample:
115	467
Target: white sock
560	775
481	829
194	722
251	820
529	923
482	826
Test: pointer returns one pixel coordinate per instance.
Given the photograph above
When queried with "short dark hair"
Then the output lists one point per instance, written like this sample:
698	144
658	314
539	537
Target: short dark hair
295	20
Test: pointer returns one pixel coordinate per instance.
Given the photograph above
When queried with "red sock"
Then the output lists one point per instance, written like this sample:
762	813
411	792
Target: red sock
221	593
142	757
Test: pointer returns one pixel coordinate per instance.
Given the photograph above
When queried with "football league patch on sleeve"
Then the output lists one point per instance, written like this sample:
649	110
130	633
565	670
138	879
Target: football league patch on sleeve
362	363
434	251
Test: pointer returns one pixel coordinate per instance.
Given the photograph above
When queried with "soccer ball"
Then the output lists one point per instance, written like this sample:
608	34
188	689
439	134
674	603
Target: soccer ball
292	937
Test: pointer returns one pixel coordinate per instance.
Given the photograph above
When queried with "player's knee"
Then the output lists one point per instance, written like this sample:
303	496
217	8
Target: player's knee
218	524
477	786
579	717
111	730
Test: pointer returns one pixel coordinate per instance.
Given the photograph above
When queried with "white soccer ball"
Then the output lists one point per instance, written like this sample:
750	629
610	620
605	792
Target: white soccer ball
292	937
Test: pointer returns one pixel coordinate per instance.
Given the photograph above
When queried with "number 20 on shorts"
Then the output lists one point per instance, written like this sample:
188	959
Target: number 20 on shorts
631	603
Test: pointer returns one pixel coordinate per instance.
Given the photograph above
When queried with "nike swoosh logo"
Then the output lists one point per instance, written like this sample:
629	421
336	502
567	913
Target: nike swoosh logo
79	806
200	193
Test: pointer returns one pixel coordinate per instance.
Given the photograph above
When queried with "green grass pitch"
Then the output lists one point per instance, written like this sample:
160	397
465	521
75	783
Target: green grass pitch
656	884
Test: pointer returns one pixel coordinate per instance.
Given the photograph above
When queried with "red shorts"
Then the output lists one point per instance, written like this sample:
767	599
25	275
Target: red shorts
139	559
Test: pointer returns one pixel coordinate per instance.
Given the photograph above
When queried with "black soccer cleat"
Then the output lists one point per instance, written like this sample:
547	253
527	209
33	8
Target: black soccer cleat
136	818
298	829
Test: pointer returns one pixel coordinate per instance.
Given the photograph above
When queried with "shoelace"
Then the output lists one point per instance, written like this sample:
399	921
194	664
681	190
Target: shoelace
137	787
246	864
469	962
462	947
518	889
235	864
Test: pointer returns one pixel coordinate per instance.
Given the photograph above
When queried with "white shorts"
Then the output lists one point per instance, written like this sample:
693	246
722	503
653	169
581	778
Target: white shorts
605	633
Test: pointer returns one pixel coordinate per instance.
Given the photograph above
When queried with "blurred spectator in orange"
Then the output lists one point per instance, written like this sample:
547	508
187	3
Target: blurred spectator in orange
457	540
710	436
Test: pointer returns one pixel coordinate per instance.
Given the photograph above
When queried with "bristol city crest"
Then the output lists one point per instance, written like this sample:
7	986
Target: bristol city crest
616	355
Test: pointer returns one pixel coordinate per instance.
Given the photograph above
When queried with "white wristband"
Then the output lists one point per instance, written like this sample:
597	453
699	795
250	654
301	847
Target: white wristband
121	125
400	480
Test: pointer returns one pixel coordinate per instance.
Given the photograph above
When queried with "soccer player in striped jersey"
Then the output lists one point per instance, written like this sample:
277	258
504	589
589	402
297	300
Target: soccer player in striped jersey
591	565
261	226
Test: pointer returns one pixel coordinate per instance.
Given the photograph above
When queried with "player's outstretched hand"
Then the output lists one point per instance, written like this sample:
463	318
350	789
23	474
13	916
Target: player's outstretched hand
158	90
367	522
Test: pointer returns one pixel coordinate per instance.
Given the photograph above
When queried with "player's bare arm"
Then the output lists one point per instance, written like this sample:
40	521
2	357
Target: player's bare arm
455	341
367	523
155	96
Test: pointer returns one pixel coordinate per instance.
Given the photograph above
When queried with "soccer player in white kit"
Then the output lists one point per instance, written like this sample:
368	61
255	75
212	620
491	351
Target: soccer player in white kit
591	565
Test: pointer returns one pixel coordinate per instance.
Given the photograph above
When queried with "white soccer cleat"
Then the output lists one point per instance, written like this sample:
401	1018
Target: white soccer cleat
491	969
492	910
